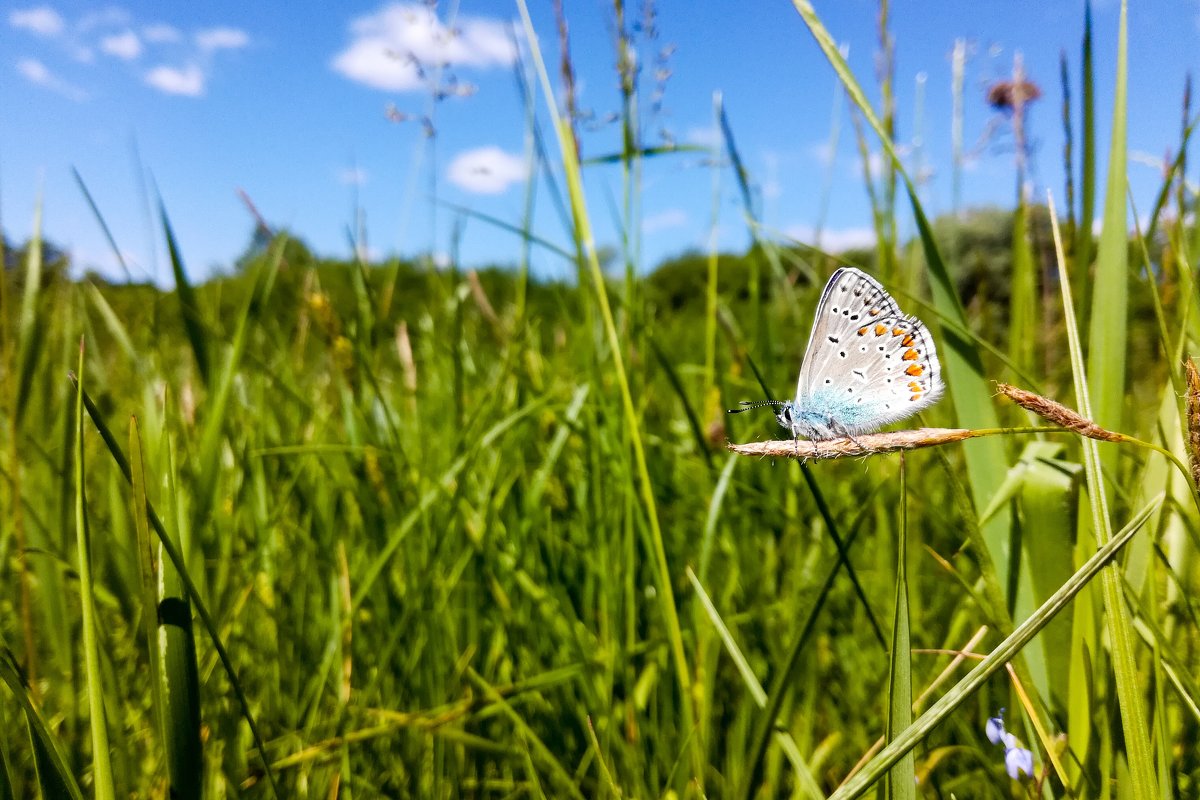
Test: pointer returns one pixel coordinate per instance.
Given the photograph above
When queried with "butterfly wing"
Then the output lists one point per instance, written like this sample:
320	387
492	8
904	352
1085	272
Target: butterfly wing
868	364
850	300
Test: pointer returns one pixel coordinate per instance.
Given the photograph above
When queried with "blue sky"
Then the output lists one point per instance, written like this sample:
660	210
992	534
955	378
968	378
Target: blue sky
290	104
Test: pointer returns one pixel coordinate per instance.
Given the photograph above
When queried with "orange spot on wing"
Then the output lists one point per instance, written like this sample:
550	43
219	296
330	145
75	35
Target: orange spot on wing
908	340
862	331
897	331
913	386
880	330
910	355
914	369
915	398
875	312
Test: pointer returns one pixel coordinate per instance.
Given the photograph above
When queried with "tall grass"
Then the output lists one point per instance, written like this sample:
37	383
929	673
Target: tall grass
385	531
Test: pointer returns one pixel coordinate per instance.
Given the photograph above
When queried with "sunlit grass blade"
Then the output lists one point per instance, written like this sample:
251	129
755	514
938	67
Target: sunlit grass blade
102	772
1132	705
1106	350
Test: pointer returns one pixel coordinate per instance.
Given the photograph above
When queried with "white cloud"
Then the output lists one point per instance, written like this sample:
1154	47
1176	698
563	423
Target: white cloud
1158	163
126	46
33	70
160	33
703	136
837	240
110	17
822	152
664	220
188	81
352	176
389	48
37	73
211	39
42	20
486	170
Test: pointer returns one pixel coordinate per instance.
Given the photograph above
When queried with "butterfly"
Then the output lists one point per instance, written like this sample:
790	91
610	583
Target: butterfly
867	364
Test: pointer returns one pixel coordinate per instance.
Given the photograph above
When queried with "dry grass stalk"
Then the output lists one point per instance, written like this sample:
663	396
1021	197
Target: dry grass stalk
404	351
867	444
1193	418
481	300
1058	413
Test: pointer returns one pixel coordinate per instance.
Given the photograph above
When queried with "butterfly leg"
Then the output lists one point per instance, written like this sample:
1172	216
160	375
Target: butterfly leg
843	432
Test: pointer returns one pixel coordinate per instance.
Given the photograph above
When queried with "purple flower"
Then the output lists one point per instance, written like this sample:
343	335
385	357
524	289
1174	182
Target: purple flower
995	728
1018	760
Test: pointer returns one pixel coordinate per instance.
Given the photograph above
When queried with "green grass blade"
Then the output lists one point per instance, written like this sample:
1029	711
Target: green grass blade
54	773
189	308
1107	342
217	408
902	779
1049	500
112	321
1129	694
1022	330
167	623
30	330
565	786
112	242
1087	168
677	386
102	771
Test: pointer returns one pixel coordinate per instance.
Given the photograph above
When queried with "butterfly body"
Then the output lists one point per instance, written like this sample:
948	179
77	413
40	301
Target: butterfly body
867	363
825	415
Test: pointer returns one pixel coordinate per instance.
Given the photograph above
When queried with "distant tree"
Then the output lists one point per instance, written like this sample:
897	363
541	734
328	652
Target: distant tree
296	254
56	262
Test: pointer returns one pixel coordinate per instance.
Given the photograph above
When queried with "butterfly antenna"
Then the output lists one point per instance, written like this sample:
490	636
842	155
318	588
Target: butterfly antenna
748	405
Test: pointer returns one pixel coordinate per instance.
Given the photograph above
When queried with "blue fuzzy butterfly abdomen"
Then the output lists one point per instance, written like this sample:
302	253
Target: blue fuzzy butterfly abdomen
828	413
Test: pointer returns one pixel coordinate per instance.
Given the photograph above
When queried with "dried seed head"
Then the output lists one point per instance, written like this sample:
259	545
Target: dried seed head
1058	413
1193	418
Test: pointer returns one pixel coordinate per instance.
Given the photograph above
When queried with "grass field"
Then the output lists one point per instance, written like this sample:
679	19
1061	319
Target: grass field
370	530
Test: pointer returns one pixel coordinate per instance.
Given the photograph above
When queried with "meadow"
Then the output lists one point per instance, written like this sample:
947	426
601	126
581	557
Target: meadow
348	529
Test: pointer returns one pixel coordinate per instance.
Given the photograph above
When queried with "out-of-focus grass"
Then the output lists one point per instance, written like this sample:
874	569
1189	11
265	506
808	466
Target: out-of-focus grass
402	532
